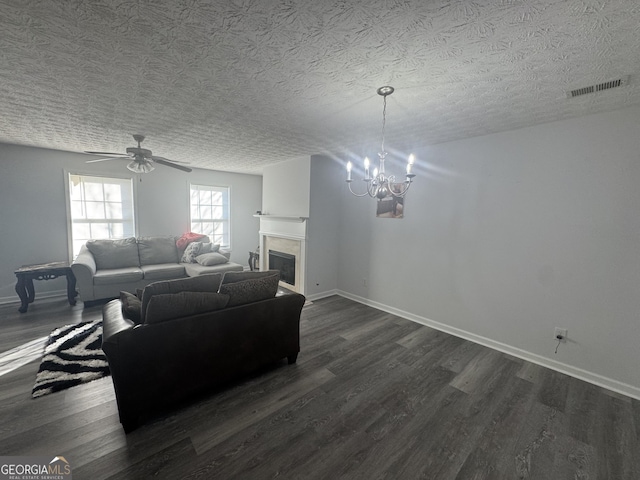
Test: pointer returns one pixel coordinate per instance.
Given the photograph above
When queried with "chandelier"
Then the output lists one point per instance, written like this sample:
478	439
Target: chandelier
379	185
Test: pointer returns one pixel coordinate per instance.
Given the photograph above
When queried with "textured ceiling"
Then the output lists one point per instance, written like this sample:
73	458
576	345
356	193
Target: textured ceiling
238	84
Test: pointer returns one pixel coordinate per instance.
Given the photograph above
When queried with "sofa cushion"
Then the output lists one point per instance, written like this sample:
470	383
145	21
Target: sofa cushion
249	291
232	277
195	269
153	250
163	271
117	275
169	306
131	306
213	258
114	253
203	283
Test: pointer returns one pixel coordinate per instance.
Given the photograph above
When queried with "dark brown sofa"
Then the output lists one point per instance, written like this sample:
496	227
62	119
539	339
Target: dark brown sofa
159	365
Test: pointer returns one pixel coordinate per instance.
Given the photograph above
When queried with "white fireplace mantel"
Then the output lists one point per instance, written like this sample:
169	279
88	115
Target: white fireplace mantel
282	218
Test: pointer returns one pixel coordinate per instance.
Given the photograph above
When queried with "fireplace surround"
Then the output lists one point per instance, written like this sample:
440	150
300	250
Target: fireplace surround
288	236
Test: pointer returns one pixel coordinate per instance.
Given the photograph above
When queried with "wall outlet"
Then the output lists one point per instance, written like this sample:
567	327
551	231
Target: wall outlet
365	283
560	334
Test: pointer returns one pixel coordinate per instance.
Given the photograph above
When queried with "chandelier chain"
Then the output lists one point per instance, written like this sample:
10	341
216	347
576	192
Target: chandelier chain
384	119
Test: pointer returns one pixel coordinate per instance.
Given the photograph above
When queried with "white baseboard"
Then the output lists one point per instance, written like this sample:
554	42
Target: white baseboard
318	296
55	294
594	378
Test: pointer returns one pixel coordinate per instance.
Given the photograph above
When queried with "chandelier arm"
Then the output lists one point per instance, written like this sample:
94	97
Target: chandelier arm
403	192
358	194
372	188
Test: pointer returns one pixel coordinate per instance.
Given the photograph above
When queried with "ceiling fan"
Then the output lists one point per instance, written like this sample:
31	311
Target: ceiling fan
142	158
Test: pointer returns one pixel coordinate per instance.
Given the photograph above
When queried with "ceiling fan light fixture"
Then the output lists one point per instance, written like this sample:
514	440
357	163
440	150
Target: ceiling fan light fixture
140	167
142	160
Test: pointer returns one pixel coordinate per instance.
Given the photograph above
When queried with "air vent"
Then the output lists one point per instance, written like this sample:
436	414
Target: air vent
599	87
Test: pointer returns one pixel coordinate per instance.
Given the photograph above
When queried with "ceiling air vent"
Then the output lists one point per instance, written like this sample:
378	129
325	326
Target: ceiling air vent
599	87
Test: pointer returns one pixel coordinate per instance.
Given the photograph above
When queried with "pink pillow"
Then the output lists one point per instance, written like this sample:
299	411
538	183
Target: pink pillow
187	238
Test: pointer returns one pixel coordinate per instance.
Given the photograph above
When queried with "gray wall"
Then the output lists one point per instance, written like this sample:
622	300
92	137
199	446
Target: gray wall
507	236
324	214
33	211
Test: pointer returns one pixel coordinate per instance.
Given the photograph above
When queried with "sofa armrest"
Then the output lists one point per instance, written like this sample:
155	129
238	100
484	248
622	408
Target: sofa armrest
85	258
113	323
84	268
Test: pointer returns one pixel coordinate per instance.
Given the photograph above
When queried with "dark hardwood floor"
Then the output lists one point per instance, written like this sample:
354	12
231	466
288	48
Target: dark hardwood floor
373	396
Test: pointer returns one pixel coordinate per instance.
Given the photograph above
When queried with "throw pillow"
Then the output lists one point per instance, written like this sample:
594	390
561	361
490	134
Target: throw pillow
187	238
131	307
208	247
232	277
202	283
249	291
114	253
191	252
177	305
209	259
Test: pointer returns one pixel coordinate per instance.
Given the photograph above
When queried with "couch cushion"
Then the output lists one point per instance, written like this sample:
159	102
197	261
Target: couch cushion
163	271
213	258
232	277
203	283
195	269
153	250
164	307
117	275
249	291
131	306
114	253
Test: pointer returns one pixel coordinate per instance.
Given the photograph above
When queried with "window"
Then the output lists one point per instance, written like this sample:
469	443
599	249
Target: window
210	212
100	207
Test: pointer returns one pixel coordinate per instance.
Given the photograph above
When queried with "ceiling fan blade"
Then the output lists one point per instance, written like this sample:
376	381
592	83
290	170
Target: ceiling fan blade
103	159
108	153
168	163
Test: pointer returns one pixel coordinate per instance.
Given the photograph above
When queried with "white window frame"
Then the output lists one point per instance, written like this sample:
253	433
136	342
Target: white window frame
128	218
207	214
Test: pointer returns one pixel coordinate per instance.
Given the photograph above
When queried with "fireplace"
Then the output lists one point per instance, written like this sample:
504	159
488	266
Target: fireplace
284	262
286	237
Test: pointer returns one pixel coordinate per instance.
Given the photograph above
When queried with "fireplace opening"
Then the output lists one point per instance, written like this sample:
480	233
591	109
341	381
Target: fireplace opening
285	263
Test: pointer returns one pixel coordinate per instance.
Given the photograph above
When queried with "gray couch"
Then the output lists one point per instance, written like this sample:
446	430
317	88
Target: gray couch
103	268
185	340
